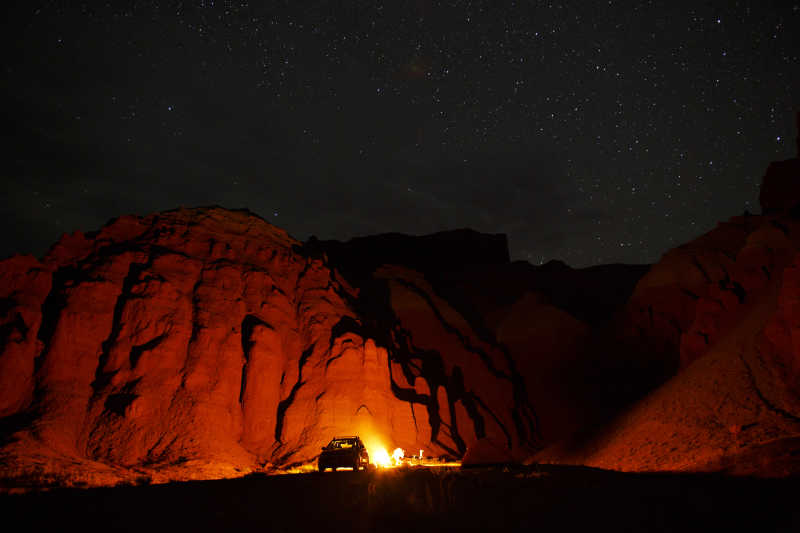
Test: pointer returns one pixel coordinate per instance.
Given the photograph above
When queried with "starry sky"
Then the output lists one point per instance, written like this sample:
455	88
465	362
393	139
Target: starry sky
590	132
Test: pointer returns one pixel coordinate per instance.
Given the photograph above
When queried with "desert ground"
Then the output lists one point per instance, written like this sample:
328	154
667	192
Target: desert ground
541	498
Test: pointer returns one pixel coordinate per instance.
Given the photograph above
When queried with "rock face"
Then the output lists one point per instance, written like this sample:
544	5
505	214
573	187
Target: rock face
718	315
206	343
542	318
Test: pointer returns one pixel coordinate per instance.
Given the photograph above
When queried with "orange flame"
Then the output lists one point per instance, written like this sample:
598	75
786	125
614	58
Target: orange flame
381	457
398	455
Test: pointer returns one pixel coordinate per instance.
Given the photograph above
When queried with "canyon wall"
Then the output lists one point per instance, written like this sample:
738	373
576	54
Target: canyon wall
206	342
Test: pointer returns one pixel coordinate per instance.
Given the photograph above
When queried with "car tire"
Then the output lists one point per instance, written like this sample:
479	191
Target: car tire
321	468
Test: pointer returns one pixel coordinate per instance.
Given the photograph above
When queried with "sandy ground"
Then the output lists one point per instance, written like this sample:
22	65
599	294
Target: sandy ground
550	498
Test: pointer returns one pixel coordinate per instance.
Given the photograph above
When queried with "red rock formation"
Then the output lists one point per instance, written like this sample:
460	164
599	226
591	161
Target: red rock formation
540	317
25	284
720	315
549	348
697	290
205	342
662	311
444	366
724	308
780	343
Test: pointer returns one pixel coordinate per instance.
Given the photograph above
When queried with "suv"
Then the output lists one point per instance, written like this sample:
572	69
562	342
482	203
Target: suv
346	452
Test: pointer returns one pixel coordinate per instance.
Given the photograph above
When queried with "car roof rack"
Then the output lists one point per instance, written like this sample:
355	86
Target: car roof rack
346	437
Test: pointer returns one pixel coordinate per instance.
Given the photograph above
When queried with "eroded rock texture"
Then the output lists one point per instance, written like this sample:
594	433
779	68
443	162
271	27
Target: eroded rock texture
548	324
206	342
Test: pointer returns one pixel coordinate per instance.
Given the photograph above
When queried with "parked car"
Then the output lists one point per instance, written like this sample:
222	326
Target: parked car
347	452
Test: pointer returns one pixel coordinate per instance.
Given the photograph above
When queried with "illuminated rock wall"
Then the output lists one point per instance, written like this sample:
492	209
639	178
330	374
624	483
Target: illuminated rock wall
206	342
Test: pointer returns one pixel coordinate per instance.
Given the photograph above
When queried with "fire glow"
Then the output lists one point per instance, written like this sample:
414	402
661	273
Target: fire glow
380	457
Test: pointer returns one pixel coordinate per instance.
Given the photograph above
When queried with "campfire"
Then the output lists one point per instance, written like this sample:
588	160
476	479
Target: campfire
381	458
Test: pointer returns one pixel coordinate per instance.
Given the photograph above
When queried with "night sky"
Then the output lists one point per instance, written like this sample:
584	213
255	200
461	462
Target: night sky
591	132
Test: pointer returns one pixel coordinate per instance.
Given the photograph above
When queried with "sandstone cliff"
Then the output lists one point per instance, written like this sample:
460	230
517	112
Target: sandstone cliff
207	342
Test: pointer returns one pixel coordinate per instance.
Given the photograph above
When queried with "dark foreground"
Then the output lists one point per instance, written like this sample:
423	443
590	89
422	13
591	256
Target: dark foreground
412	500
